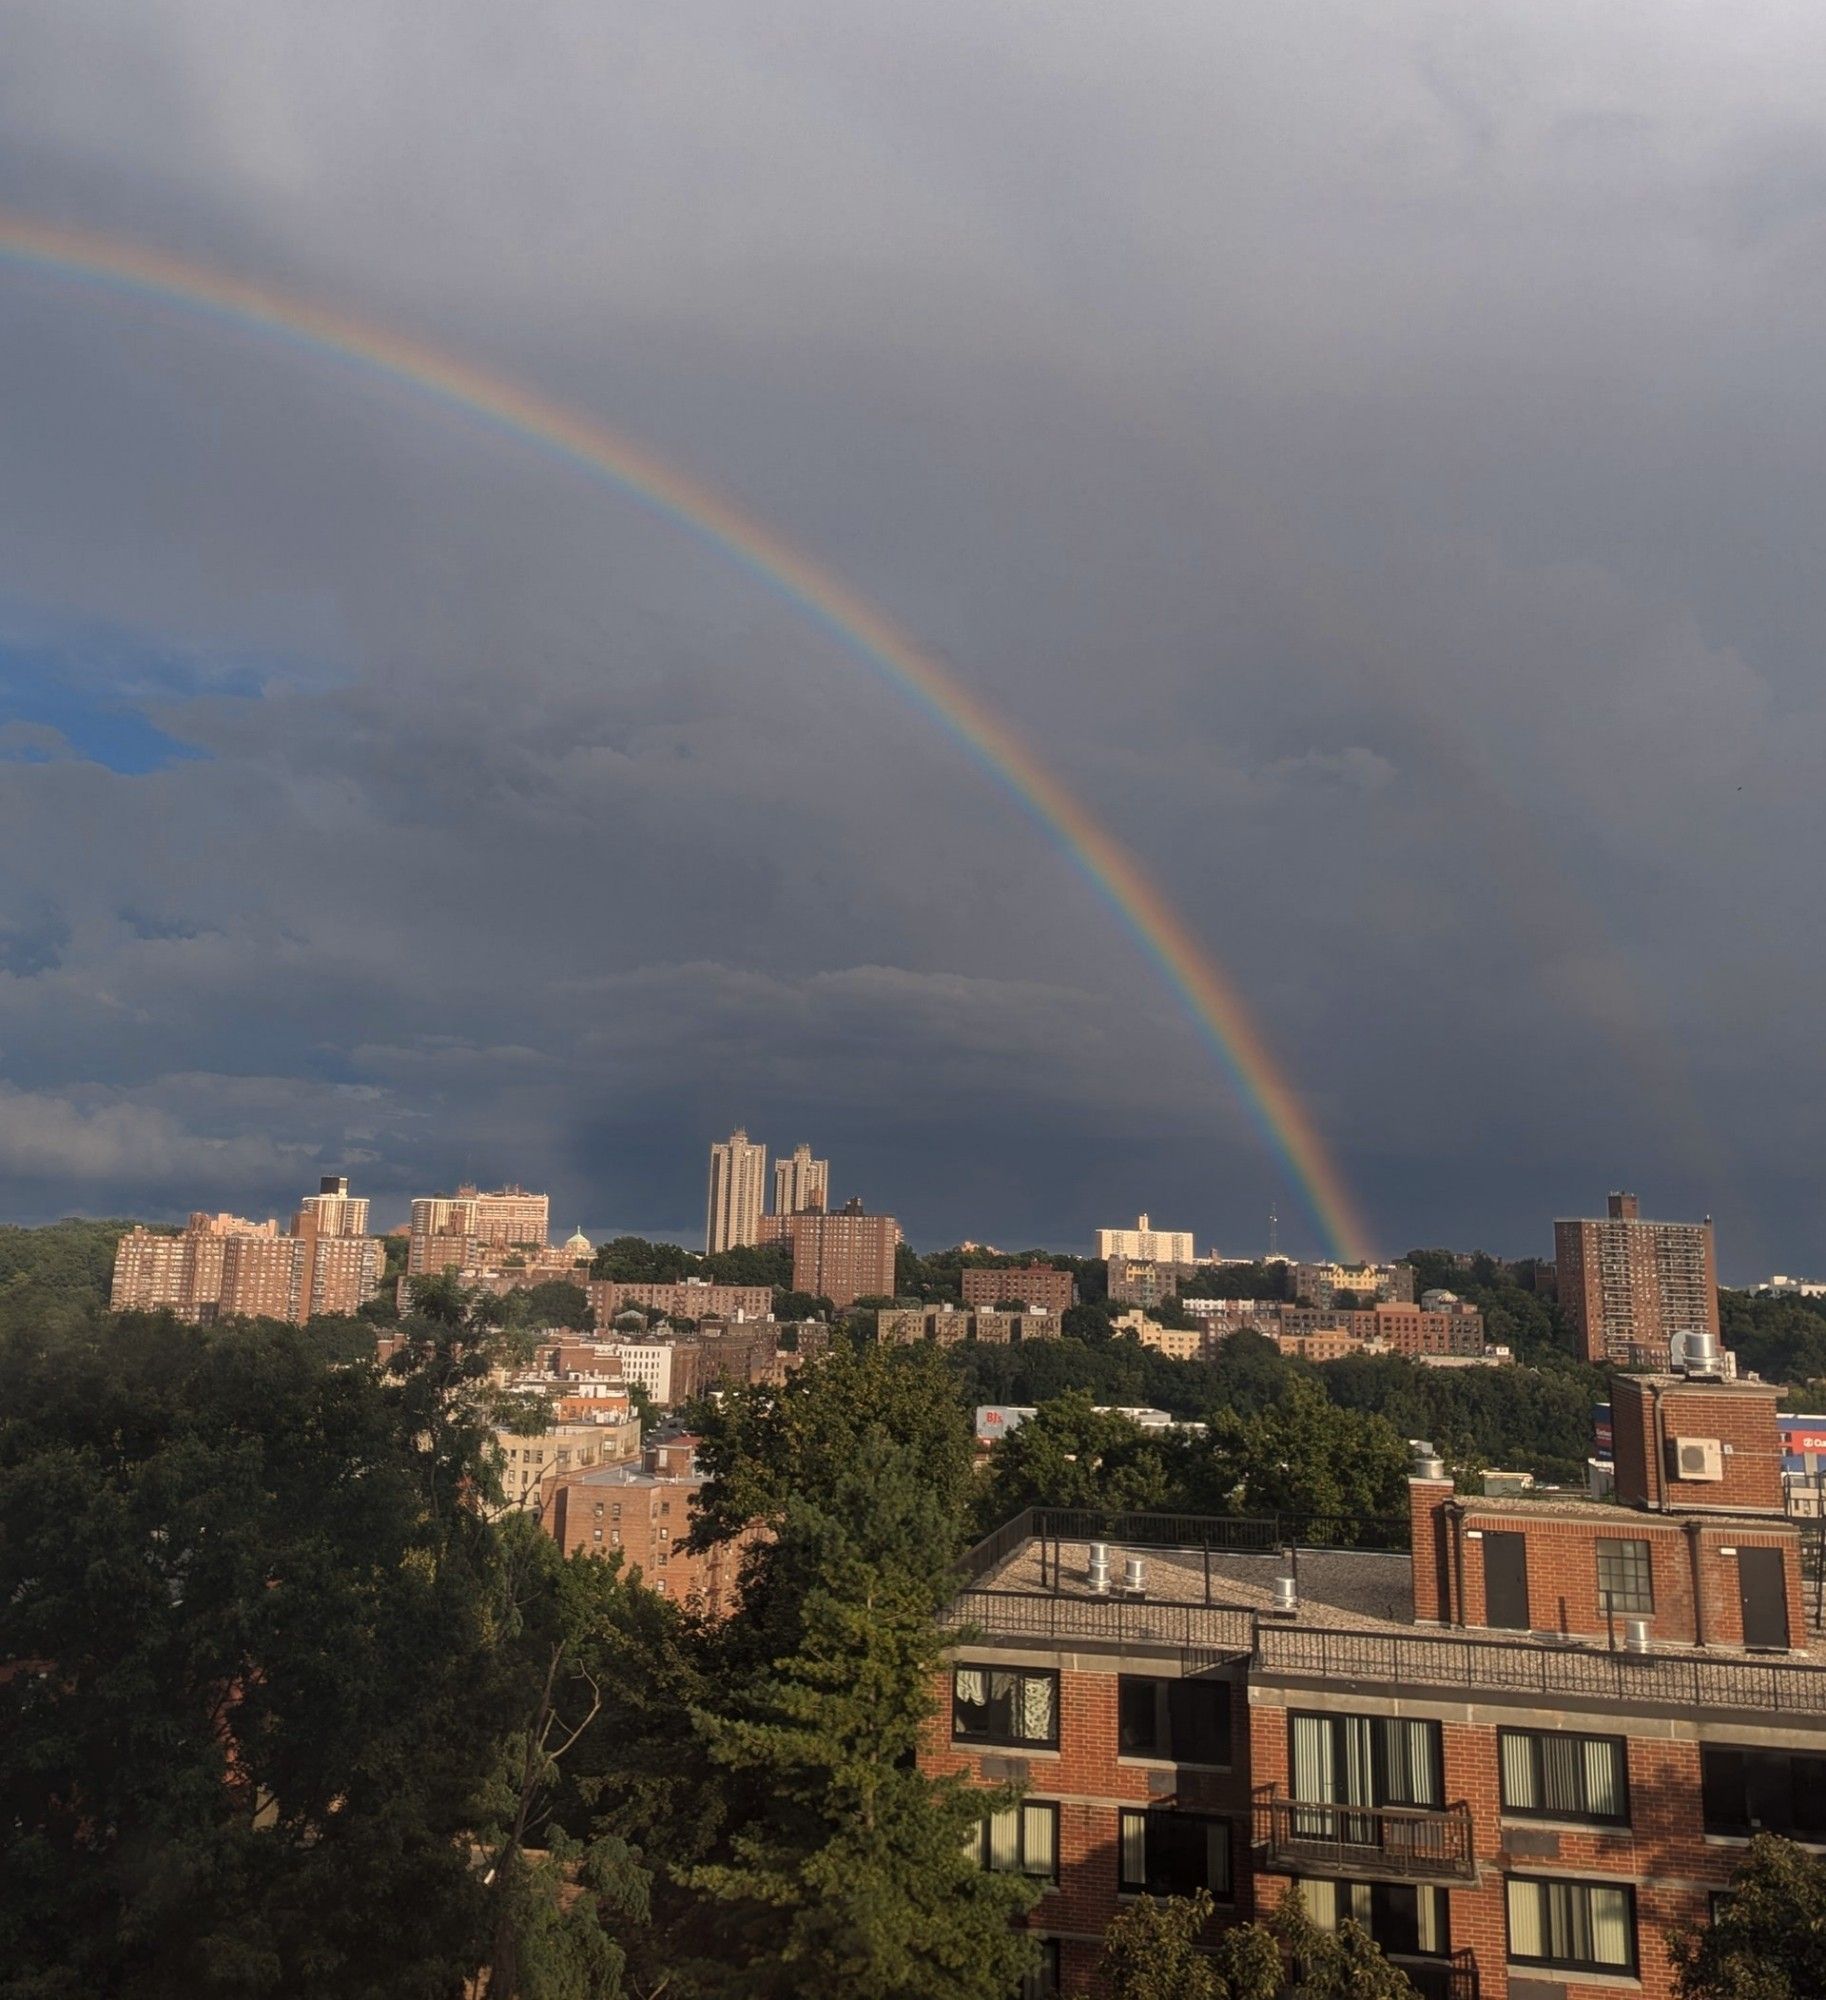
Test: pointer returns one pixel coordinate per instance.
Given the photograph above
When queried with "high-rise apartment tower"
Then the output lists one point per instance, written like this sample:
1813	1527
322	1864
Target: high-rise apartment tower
1631	1285
801	1183
738	1193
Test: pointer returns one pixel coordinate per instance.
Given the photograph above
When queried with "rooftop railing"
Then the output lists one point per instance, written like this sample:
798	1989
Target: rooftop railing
1121	1621
1535	1668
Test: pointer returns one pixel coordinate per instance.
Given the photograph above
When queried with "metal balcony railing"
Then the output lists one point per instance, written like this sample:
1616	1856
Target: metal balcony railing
1497	1667
1403	1843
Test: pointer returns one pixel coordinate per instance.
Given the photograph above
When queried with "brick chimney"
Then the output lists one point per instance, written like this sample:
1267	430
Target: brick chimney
1429	1494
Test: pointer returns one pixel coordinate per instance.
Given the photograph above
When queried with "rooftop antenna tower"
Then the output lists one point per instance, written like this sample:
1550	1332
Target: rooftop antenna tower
1274	1235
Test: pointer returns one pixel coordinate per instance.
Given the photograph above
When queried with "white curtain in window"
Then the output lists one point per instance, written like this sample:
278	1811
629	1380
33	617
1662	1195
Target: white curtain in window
1519	1789
1407	1750
1527	1939
1604	1776
1359	1773
1313	1775
1134	1847
1040	1827
972	1686
1005	1840
1610	1938
1432	1920
1562	1774
1321	1900
1038	1692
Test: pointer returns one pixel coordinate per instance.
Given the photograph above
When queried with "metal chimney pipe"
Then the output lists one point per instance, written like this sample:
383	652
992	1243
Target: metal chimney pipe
1134	1575
1635	1635
1286	1595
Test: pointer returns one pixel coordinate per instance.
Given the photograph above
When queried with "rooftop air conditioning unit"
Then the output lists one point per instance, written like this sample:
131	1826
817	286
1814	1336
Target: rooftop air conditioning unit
1696	1459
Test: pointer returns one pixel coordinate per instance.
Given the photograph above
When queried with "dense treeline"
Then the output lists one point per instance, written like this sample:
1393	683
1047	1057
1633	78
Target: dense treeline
1782	1339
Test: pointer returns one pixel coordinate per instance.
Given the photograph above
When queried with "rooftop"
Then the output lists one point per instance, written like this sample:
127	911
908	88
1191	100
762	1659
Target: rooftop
1352	1620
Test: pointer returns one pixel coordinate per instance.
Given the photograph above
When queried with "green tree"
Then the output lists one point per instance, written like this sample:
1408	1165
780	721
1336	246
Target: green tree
1151	1952
1768	1938
1069	1454
229	1558
1303	1456
846	1875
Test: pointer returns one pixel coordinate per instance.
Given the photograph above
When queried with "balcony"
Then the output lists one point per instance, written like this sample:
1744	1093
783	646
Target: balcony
1391	1843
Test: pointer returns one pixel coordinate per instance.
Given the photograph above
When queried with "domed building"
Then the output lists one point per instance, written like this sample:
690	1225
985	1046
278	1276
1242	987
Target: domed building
582	1250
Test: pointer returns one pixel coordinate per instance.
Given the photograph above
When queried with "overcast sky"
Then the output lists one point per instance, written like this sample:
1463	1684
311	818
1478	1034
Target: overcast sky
1373	454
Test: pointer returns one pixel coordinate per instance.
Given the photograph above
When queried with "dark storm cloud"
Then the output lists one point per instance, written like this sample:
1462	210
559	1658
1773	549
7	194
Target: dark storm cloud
1374	456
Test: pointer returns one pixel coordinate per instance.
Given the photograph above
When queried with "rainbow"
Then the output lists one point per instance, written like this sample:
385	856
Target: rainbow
579	441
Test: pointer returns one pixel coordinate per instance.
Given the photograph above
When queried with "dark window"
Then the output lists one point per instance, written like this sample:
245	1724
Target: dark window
1187	1721
1366	1760
1403	1918
1625	1581
1042	1983
1583	1926
1763	1791
1003	1705
1552	1774
1166	1853
1024	1840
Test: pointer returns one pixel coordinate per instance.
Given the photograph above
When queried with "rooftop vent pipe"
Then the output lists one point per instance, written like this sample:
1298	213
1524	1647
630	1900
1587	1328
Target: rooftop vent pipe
1098	1575
1134	1575
1635	1635
1286	1596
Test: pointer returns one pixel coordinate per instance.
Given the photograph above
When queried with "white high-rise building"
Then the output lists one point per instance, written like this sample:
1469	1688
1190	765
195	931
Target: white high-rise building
738	1193
801	1183
1147	1244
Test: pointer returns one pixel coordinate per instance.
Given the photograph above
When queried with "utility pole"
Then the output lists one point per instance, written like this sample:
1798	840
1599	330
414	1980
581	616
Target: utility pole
1274	1238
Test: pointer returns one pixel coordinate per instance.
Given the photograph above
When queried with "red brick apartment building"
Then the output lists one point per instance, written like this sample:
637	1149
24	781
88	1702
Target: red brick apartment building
1630	1285
1519	1749
644	1512
1036	1285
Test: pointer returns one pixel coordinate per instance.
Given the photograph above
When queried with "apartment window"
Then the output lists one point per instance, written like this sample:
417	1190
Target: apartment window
1024	1840
1187	1721
665	1506
595	1534
1005	1705
1763	1791
615	1511
1580	1926
1624	1578
1042	1983
597	1510
1164	1853
615	1536
1366	1760
1403	1918
1551	1774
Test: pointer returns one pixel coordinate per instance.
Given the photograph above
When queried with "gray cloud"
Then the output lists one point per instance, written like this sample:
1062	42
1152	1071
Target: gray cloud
1373	456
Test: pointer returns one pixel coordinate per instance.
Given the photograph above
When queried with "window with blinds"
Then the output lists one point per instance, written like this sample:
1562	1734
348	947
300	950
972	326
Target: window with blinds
1405	1919
1552	1774
1579	1926
1366	1760
1163	1853
1024	1840
1004	1705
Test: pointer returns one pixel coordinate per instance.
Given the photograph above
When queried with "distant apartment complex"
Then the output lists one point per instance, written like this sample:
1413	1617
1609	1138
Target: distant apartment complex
1630	1286
1443	1327
1319	1284
800	1182
689	1298
845	1256
1146	1281
738	1193
456	1232
900	1326
1037	1285
1153	1246
226	1267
